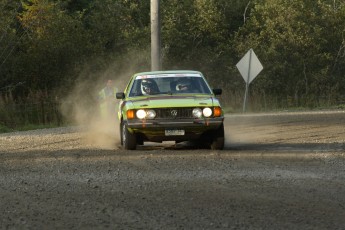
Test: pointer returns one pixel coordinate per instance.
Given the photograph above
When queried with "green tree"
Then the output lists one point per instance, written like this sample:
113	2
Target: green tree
292	40
10	38
56	43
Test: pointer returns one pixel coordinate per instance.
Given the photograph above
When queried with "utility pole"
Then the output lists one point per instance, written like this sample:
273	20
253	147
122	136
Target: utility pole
155	36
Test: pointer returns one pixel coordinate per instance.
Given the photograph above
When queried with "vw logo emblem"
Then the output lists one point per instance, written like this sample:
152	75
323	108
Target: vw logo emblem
173	112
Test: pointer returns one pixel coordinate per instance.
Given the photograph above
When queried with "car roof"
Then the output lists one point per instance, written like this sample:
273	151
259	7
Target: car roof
169	72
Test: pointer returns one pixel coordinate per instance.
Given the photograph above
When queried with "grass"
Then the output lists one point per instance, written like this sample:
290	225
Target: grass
229	109
5	129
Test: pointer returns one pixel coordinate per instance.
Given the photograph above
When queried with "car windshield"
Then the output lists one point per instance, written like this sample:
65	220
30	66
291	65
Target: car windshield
169	84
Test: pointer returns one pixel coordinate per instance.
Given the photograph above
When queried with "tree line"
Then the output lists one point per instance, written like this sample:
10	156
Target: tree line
49	46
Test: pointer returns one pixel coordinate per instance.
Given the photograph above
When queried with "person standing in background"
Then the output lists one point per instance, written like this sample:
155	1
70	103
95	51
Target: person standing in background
107	100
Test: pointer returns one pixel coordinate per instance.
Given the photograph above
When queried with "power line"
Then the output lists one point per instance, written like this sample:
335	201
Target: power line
14	16
13	42
9	54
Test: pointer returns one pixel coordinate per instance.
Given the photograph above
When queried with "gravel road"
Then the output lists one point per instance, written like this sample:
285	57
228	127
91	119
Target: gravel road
278	171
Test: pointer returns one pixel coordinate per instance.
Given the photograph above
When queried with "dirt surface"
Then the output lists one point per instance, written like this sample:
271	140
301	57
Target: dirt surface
278	171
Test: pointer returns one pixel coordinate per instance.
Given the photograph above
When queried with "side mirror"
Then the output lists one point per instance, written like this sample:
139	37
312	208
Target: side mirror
120	95
217	91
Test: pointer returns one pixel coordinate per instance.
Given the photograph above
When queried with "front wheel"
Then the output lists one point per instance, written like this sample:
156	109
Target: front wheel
129	140
218	139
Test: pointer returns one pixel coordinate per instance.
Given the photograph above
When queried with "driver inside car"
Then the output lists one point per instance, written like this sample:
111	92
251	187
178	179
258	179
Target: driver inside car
184	85
148	87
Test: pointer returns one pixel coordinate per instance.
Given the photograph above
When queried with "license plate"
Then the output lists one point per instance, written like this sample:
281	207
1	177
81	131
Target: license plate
174	132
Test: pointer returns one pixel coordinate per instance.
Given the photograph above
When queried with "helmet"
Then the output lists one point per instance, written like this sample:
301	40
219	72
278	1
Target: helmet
148	86
184	84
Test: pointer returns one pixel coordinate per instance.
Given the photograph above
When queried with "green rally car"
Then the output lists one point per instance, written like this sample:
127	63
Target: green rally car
170	106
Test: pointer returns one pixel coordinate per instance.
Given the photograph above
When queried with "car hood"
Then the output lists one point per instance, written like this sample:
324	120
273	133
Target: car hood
174	101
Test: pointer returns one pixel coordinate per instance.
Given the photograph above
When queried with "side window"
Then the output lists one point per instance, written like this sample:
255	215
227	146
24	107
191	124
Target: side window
135	90
202	86
127	86
195	86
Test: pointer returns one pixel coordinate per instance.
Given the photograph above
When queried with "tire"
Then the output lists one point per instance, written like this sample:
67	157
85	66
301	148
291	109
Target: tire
218	139
140	141
129	140
121	140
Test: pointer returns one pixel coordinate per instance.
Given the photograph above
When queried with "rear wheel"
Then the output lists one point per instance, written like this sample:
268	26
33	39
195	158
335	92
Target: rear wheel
218	138
129	140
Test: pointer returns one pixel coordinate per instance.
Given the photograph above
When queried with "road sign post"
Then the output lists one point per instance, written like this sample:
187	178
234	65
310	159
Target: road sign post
249	67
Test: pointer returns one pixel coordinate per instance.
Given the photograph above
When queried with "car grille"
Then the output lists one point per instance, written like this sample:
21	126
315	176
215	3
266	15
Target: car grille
174	113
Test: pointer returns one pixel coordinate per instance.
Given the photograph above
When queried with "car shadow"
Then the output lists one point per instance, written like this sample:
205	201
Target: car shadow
181	149
284	147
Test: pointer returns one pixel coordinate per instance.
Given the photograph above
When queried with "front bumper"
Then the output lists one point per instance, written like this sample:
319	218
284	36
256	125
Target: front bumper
190	123
154	130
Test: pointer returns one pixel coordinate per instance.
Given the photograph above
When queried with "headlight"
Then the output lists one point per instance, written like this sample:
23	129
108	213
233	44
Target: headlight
141	114
150	114
197	113
207	112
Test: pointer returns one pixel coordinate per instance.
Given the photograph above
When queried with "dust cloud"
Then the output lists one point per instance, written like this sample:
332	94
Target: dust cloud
81	106
254	128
